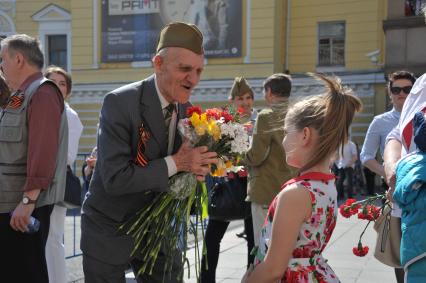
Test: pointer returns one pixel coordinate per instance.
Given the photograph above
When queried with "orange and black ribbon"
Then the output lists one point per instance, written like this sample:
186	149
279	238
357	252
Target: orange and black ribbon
144	136
15	101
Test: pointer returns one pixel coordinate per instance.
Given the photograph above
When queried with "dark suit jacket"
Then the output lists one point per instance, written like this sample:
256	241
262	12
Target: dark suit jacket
119	188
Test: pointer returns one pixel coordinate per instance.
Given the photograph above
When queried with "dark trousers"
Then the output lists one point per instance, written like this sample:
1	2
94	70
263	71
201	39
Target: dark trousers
214	233
96	271
342	174
100	269
369	178
23	257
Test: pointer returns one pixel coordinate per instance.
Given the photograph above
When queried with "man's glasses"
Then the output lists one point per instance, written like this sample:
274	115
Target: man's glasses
397	90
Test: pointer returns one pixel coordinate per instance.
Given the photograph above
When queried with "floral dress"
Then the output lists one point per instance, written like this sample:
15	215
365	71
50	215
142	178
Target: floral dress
307	263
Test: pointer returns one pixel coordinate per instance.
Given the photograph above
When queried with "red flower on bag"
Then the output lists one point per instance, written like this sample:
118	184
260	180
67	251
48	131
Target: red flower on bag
360	250
193	109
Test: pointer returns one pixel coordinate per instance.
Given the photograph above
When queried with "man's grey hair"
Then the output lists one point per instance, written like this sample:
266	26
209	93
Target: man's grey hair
162	53
28	46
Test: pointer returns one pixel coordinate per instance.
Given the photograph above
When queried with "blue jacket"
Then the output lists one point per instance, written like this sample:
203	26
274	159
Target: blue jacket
410	195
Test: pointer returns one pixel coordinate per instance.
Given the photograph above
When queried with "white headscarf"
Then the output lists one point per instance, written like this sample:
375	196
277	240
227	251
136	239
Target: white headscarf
415	102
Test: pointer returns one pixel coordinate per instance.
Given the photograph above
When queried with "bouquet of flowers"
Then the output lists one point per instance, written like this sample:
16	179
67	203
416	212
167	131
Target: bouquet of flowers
164	224
365	210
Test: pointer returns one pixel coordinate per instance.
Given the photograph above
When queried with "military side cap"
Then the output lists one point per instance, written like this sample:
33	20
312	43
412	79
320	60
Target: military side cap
240	87
178	34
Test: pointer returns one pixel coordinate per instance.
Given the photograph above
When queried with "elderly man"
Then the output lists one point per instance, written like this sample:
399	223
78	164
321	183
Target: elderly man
128	175
33	154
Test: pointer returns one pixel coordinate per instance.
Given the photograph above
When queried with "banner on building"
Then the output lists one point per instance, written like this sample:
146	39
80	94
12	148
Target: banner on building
130	29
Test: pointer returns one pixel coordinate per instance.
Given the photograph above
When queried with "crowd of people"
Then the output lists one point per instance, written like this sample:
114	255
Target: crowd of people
292	194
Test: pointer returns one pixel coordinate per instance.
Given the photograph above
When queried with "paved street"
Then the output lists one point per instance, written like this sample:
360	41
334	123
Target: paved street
232	261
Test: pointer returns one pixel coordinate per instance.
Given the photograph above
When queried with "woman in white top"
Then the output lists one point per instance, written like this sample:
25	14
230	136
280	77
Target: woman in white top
55	251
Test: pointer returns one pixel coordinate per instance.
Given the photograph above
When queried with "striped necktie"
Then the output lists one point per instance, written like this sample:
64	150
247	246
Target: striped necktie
168	116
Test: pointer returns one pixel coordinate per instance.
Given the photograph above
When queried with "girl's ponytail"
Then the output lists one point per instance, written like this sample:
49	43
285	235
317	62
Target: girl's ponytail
330	114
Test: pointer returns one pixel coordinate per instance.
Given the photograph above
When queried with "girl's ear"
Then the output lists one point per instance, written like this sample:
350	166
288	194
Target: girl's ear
307	136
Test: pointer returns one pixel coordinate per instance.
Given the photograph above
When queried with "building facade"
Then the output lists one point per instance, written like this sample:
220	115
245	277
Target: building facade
106	44
405	32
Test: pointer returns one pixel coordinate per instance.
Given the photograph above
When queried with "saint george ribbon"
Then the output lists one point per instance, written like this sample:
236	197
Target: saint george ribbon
15	101
145	135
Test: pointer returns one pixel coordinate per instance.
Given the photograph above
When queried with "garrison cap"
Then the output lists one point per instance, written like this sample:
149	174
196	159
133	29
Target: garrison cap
179	34
240	87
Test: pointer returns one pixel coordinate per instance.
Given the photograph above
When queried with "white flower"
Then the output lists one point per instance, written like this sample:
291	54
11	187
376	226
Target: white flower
227	129
240	143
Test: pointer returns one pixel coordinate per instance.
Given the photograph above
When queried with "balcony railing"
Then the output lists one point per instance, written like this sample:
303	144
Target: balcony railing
414	7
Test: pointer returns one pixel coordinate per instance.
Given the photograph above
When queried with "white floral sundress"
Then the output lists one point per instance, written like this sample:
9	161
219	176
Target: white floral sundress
307	263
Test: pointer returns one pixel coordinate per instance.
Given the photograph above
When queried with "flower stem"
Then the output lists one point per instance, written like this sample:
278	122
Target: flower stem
364	231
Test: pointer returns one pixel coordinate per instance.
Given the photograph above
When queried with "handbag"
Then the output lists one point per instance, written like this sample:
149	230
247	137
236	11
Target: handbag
226	199
72	198
388	241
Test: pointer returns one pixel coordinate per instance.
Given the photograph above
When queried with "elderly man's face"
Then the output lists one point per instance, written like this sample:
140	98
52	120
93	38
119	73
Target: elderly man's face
9	67
178	72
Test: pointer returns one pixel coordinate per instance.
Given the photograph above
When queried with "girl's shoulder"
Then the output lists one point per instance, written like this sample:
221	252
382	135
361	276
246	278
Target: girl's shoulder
294	193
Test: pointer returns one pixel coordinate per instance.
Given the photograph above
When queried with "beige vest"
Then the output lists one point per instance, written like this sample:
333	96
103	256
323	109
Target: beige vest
14	151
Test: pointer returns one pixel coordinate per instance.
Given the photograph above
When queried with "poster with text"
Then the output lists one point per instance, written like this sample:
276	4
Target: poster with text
130	29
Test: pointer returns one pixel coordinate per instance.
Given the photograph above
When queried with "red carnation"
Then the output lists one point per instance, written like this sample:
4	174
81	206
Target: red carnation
369	212
227	117
213	112
240	110
350	201
345	211
375	212
352	205
193	109
360	250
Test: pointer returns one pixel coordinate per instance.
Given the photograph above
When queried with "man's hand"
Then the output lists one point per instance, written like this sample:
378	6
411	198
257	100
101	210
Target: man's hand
247	274
195	160
389	194
21	217
390	174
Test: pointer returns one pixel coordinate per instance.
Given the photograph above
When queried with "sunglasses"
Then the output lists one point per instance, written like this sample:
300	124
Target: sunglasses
396	90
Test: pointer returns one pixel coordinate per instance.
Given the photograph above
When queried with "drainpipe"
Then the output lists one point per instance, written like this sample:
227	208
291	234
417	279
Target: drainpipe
248	25
287	35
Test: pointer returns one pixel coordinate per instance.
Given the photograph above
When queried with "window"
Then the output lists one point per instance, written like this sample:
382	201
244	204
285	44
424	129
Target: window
54	31
331	44
414	7
57	50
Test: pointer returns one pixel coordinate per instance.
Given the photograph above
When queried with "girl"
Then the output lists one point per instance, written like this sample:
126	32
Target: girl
302	217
